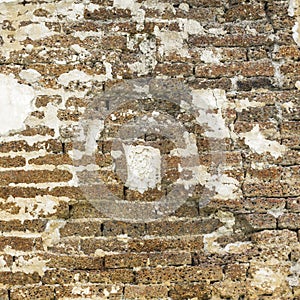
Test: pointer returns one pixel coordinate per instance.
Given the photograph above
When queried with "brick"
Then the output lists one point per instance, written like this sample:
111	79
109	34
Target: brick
131	260
254	83
113	228
203	83
177	69
261	221
73	262
96	291
165	244
236	40
180	274
112	276
25	226
289	221
236	271
102	245
266	189
10	162
17	243
34	176
90	228
274	237
107	14
34	292
62	277
263	205
52	159
114	42
245	12
293	204
190	291
247	69
181	227
146	292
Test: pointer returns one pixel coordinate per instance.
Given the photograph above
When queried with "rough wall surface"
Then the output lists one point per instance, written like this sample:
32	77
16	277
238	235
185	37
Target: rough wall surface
239	60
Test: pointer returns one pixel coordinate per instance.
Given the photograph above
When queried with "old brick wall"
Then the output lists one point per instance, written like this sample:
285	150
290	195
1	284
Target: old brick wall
238	62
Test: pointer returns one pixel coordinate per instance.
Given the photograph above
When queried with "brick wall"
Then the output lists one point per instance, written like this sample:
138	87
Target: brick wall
235	234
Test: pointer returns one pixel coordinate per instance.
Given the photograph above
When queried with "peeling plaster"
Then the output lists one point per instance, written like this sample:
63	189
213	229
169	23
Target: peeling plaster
259	144
143	167
16	103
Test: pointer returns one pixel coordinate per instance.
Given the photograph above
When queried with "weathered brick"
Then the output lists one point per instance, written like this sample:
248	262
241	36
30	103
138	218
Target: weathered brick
61	277
146	292
102	245
165	244
96	291
245	12
17	243
10	162
180	274
51	159
112	276
34	292
34	176
182	227
289	221
90	228
247	69
261	221
113	228
73	262
190	291
131	260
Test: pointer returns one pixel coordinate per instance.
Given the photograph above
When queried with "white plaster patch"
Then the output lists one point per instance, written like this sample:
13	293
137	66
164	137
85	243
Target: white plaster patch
78	290
210	103
143	167
16	103
266	279
51	235
29	266
209	56
225	186
34	31
30	75
171	41
240	105
259	144
29	208
124	4
76	75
